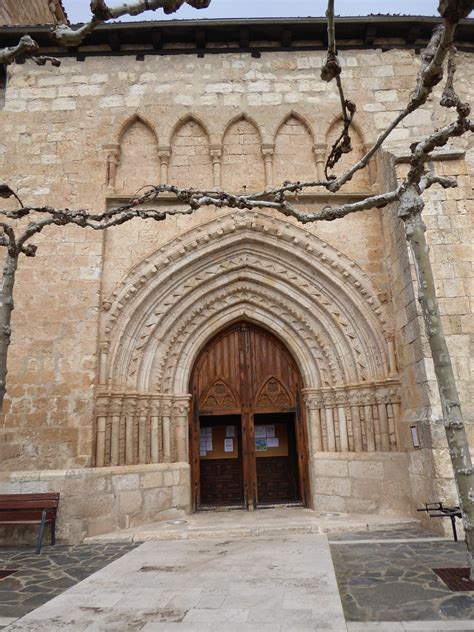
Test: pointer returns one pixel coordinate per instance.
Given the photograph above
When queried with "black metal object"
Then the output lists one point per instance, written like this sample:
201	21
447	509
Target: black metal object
438	510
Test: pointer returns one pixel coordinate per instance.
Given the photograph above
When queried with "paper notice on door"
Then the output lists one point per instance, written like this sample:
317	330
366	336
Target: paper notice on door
272	442
260	445
270	430
228	445
230	432
209	444
260	432
202	452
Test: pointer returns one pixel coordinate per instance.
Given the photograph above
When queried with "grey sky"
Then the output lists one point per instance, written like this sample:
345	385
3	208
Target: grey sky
78	10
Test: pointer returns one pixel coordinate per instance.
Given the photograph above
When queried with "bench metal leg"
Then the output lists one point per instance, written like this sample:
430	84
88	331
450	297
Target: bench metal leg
39	541
453	524
53	532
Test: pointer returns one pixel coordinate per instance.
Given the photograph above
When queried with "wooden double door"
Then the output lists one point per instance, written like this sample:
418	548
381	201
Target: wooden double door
248	442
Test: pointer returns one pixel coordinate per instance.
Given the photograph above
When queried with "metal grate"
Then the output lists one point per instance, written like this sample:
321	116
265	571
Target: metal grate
6	573
455	578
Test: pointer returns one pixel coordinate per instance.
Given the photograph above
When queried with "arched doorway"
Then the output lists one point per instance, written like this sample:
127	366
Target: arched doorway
248	444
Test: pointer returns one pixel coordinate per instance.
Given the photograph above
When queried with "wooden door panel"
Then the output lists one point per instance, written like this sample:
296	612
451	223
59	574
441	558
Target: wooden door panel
246	370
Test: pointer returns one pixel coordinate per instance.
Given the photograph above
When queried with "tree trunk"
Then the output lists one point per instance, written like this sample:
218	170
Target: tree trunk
6	308
455	431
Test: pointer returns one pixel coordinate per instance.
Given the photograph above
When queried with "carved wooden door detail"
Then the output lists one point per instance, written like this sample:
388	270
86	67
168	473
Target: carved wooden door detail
247	372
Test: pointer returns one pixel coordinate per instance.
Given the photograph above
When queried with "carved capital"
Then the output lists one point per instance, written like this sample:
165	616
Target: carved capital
164	153
340	398
166	407
216	152
319	150
180	406
142	406
155	406
101	406
129	405
115	407
268	150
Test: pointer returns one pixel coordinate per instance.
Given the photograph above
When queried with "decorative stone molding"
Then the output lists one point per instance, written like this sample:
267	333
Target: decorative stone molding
267	153
319	150
310	290
164	154
112	152
216	157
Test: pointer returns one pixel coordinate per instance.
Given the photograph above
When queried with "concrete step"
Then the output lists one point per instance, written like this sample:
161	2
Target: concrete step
243	524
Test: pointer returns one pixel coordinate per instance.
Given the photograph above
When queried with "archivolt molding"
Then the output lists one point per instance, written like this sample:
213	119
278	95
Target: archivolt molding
298	117
244	265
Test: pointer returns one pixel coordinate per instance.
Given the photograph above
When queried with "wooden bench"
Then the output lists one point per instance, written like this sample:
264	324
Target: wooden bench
38	509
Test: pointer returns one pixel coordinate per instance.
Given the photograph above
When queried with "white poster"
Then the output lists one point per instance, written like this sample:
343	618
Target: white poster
270	430
272	442
202	452
228	445
260	432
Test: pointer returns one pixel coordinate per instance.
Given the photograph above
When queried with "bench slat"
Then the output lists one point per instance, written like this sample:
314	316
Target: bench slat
27	504
28	516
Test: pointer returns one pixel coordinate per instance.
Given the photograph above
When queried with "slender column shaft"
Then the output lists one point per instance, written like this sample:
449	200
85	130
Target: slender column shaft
356	429
341	414
155	439
166	439
369	427
100	444
330	430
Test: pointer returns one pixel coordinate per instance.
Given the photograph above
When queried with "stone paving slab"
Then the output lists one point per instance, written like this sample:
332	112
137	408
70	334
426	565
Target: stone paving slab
277	521
394	582
278	583
39	578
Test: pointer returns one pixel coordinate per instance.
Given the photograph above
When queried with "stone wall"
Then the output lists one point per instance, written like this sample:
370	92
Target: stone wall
103	500
362	483
91	132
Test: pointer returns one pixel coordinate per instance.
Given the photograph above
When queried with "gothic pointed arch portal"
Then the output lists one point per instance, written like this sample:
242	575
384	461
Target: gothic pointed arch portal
248	440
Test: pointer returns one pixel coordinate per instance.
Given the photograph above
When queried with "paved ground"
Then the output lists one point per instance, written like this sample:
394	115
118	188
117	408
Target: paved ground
39	578
272	582
394	582
255	584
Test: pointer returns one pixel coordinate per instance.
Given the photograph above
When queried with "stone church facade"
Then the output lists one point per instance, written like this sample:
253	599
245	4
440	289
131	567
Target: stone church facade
128	344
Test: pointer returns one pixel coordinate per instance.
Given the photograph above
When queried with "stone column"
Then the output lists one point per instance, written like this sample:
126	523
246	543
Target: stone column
313	406
129	408
394	397
101	412
142	412
392	358
115	410
166	425
267	153
381	397
341	402
104	350
328	399
356	424
372	168
216	157
368	401
113	160
155	431
164	154
180	413
319	151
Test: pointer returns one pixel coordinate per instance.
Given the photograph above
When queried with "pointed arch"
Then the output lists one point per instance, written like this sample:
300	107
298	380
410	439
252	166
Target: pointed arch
242	160
293	155
138	155
190	162
361	182
281	277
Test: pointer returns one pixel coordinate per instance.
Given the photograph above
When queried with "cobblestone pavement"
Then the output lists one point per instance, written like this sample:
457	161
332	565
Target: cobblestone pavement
382	534
394	582
39	578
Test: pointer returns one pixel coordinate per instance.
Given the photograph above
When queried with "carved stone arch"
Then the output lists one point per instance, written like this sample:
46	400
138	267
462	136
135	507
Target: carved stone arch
301	118
294	158
219	396
362	181
138	160
243	116
131	120
272	394
242	161
244	266
190	162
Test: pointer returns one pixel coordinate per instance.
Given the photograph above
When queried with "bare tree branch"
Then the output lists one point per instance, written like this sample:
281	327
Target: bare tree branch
101	13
